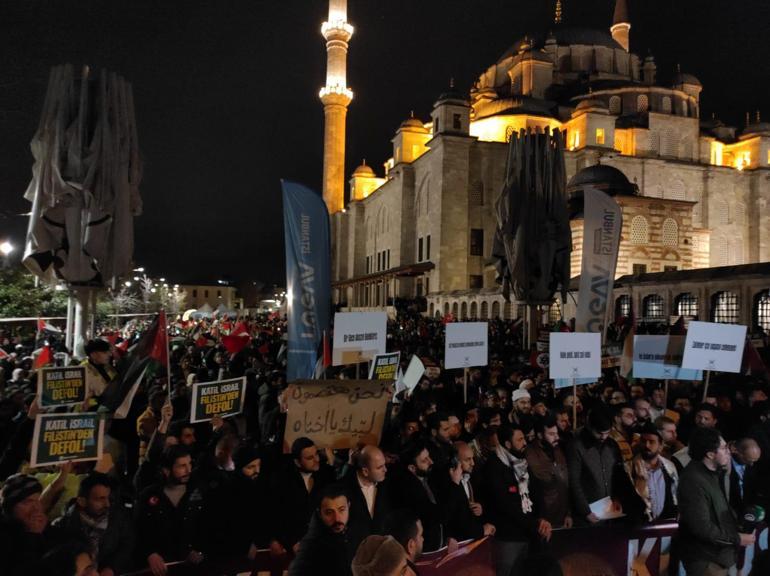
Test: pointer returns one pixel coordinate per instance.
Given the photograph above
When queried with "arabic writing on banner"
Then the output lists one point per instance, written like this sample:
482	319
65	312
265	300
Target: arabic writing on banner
67	437
714	346
61	386
336	414
223	398
660	358
385	366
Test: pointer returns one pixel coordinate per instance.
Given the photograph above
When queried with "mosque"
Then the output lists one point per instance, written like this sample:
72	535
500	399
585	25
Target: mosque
694	192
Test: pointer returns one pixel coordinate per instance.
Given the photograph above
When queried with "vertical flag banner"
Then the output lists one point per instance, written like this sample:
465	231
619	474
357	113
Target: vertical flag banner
603	221
308	276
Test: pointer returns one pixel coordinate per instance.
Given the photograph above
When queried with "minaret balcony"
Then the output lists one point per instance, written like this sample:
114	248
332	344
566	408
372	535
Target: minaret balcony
337	30
336	94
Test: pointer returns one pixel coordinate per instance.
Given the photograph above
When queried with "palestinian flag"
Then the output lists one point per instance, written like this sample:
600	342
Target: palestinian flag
43	326
42	357
148	355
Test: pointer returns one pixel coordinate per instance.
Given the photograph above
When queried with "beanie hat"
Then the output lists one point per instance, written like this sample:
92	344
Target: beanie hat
378	556
520	394
17	488
245	454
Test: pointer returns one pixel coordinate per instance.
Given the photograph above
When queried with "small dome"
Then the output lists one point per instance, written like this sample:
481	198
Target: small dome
364	171
413	124
606	178
591	103
757	128
683	78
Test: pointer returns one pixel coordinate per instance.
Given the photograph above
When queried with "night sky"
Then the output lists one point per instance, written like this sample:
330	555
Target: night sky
226	95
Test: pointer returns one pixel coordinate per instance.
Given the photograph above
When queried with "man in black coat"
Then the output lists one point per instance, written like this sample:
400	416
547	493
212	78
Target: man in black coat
108	529
326	548
368	493
297	494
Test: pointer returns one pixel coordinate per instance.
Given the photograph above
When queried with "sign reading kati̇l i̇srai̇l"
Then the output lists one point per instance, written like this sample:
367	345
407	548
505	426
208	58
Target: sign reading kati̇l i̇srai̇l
62	386
358	337
223	398
336	414
466	345
385	366
575	355
67	438
713	346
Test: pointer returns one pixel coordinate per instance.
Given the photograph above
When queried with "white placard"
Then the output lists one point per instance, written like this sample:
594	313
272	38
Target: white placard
659	357
358	336
466	345
713	346
575	355
414	373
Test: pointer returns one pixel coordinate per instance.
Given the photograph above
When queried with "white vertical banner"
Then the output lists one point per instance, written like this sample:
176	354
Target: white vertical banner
603	221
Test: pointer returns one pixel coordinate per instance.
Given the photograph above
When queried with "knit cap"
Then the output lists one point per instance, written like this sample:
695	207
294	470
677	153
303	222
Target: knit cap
378	556
16	489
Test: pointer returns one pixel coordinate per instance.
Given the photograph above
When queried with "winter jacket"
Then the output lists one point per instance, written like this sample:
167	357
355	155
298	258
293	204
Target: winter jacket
548	468
322	552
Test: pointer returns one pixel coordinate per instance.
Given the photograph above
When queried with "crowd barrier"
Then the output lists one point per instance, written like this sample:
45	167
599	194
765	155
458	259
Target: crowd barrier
607	550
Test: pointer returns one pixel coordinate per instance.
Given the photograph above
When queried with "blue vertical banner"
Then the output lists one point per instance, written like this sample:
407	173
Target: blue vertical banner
308	276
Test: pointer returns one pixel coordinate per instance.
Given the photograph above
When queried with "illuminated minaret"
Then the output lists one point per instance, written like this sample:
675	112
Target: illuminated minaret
336	97
621	24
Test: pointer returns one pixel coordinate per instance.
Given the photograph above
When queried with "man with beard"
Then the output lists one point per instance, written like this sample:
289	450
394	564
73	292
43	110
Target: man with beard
234	513
667	430
369	502
107	528
413	491
548	466
595	466
708	531
24	537
168	515
509	503
642	411
657	403
326	549
655	479
406	528
522	405
705	417
623	422
441	440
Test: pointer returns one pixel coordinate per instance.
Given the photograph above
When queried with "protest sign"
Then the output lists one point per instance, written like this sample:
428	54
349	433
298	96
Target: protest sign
660	358
336	413
67	438
223	398
385	366
61	386
413	373
575	355
466	345
358	336
715	347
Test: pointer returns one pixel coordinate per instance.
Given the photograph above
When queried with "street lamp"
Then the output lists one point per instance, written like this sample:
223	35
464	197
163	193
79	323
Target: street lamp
5	249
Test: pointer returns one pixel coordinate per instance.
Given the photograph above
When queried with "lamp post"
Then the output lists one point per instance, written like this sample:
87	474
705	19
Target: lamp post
5	250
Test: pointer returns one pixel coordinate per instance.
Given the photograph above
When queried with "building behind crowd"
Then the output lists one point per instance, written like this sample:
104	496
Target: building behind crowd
693	191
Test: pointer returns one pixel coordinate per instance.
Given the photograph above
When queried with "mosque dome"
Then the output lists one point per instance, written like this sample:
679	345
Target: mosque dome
364	171
591	104
684	78
757	128
606	178
565	36
413	125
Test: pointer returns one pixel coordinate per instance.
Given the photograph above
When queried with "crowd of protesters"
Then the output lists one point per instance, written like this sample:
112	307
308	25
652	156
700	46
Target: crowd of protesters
507	462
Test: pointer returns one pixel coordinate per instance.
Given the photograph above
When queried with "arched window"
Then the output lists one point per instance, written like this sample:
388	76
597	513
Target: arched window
642	103
666	104
676	191
615	105
622	306
508	311
554	312
431	308
446	308
653	307
720	252
495	309
736	251
684	108
438	313
724	307
474	310
719	213
484	310
739	213
762	310
640	230
464	311
686	304
454	310
670	232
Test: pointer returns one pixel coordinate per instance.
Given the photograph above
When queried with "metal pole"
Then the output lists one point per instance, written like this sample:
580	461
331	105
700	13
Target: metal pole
706	387
574	405
465	386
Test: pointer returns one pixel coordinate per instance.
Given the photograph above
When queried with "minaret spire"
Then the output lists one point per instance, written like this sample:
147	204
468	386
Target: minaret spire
558	15
336	97
621	24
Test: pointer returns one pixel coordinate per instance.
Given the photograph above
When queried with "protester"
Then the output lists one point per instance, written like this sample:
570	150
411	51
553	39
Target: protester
368	494
406	528
548	468
654	478
381	556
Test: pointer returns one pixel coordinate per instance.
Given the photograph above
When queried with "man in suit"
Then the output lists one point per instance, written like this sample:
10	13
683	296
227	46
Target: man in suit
740	482
298	489
366	487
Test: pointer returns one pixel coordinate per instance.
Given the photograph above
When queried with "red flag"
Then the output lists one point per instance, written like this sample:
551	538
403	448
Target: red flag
240	329
234	344
327	351
159	347
43	326
4	354
43	357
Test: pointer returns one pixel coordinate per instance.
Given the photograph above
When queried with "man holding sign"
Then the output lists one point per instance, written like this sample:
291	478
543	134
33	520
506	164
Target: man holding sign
222	399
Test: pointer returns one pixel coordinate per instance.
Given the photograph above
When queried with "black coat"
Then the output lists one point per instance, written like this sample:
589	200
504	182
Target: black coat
293	505
360	523
459	521
21	551
502	503
408	492
322	552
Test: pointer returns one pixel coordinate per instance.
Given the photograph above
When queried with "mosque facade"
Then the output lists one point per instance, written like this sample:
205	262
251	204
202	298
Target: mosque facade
694	192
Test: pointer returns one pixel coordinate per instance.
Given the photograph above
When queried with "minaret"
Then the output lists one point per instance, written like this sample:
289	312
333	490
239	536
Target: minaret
336	97
558	14
621	24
